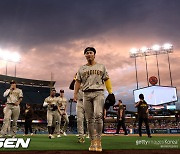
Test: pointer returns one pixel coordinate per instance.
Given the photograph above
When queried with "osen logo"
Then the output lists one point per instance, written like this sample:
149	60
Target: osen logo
14	142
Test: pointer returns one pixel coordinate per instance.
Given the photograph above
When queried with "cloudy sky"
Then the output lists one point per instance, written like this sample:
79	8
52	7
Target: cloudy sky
51	35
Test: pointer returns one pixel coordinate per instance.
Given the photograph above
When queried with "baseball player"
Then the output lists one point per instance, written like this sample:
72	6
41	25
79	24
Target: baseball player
52	112
80	113
121	118
14	97
62	104
28	119
9	125
91	78
143	112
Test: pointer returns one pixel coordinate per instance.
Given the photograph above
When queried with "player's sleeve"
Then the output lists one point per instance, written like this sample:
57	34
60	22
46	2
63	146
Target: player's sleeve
105	74
137	104
20	94
45	103
78	77
6	93
108	84
59	102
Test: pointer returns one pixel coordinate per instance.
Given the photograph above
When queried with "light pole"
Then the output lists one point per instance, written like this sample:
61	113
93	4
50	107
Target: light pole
157	63
133	52
10	57
169	68
6	67
15	70
154	50
146	71
136	72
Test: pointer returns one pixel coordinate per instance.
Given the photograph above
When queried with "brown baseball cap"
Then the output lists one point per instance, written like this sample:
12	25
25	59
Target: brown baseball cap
53	89
61	91
12	81
90	49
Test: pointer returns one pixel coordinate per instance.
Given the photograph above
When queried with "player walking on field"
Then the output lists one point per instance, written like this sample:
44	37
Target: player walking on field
80	113
52	112
121	118
143	112
62	105
14	97
91	78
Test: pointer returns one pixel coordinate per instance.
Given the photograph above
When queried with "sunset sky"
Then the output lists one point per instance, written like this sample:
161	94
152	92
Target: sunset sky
51	36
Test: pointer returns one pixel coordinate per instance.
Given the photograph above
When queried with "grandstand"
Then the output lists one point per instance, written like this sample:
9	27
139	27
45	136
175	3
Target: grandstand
34	91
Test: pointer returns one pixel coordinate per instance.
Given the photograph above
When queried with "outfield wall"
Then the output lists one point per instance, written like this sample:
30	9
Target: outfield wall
153	131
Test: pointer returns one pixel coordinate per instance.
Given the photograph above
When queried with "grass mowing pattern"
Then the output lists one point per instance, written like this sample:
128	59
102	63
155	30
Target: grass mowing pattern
42	142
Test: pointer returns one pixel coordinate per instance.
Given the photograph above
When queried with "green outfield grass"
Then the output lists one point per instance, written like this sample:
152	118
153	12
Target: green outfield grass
42	142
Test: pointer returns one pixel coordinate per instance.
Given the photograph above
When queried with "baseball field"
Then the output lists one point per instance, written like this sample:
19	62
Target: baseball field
109	142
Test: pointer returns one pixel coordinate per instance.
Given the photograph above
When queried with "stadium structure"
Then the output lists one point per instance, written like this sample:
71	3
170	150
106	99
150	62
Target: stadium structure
34	91
162	118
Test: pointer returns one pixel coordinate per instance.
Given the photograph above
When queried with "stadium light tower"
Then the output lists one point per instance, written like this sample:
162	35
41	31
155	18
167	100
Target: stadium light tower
10	57
133	51
144	50
154	50
167	47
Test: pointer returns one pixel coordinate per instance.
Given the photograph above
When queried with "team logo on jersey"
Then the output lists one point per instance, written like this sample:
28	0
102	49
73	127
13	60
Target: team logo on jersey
92	72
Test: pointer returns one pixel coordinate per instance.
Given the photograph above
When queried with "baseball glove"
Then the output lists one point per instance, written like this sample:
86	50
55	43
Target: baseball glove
110	101
71	87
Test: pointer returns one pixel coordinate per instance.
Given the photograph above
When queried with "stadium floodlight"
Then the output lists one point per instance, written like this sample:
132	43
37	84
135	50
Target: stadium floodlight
10	57
144	49
1	53
167	46
133	51
154	50
6	56
15	57
156	47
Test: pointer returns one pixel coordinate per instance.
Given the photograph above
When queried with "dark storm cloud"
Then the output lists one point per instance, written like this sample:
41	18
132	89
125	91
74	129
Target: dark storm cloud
35	22
53	34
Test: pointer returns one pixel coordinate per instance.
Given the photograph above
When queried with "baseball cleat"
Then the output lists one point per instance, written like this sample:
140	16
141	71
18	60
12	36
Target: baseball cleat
98	146
2	136
14	136
64	134
93	145
58	136
50	136
81	140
